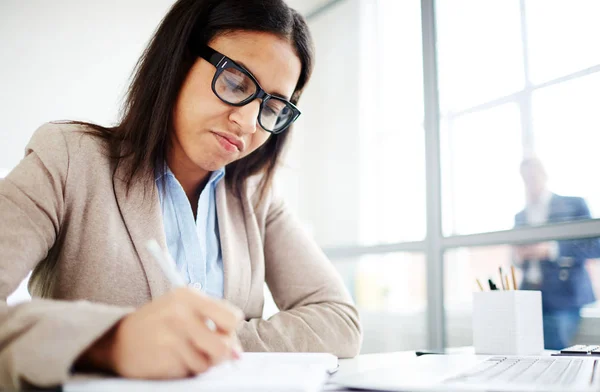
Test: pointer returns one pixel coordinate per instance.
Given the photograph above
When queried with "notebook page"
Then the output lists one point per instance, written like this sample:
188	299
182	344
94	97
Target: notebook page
282	372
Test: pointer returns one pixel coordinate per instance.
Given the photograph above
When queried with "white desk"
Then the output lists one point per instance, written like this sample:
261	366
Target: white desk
367	362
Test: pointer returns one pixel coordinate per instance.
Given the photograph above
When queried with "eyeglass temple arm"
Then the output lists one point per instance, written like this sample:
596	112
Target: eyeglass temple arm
209	54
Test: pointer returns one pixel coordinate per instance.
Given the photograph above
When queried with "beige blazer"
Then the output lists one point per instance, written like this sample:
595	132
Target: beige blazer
64	213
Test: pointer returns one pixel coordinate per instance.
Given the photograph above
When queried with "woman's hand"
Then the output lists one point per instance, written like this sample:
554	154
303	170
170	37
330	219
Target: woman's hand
169	338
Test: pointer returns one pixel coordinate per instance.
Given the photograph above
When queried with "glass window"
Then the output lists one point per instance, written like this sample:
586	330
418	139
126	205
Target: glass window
566	131
463	266
480	51
563	37
390	293
482	147
481	152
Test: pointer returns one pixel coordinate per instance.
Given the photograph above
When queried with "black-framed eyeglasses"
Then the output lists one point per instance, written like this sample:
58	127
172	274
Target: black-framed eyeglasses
235	85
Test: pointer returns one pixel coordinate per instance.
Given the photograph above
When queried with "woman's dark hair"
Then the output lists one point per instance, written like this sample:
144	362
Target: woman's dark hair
147	116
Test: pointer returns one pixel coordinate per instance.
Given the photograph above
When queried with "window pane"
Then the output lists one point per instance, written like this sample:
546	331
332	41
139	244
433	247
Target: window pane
480	54
563	37
462	266
567	135
481	152
356	165
390	292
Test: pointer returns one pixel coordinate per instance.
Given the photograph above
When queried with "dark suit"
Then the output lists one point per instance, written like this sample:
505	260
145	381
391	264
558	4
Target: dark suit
565	285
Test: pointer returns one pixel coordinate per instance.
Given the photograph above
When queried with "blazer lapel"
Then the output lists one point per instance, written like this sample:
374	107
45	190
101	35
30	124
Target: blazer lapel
520	219
234	247
558	210
143	219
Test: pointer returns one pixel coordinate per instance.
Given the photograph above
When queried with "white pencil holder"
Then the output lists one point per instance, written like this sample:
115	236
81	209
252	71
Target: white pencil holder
508	322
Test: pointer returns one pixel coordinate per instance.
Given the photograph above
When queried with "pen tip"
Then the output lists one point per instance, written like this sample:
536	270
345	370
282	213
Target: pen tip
152	245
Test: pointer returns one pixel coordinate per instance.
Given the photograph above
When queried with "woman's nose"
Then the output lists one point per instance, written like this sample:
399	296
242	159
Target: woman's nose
247	116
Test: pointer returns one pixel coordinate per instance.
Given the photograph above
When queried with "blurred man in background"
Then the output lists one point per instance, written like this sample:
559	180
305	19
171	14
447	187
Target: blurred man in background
556	268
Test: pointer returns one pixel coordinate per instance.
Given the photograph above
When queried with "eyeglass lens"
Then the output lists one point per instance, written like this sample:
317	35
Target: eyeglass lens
234	86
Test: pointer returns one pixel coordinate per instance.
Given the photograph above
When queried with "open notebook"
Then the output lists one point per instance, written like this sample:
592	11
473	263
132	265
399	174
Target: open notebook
281	372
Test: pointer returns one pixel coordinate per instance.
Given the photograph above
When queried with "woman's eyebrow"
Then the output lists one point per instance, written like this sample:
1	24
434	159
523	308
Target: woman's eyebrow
277	94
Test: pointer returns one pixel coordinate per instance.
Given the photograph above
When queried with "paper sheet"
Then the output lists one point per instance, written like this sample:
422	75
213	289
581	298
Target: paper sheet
281	372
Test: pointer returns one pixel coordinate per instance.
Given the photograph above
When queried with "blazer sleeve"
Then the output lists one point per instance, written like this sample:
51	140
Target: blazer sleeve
581	249
41	339
316	312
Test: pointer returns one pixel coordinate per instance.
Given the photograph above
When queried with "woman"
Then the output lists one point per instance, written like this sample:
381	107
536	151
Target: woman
190	166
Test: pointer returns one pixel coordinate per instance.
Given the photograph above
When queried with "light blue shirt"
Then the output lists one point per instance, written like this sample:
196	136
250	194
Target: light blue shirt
195	245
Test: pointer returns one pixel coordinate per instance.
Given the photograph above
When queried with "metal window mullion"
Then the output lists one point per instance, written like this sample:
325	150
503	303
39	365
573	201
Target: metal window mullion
526	91
561	79
561	231
450	171
487	105
435	271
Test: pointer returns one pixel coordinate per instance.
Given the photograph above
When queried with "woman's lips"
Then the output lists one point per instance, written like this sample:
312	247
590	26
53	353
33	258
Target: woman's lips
228	144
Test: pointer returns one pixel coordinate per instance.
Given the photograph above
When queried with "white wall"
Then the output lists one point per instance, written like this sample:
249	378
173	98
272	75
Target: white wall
67	59
322	177
306	6
70	59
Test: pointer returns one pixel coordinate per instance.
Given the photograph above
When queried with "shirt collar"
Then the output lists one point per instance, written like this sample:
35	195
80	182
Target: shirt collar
160	173
214	179
216	176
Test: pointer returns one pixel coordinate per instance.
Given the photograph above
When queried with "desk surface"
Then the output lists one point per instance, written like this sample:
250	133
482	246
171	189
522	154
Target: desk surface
367	362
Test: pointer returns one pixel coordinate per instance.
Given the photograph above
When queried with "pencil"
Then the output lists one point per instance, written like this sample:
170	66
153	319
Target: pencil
479	284
501	278
514	279
507	285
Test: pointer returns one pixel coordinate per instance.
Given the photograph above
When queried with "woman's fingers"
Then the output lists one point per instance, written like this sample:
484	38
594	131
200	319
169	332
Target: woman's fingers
225	316
194	361
169	337
215	345
200	331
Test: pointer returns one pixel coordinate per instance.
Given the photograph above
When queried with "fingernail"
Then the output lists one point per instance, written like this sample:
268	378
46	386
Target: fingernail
236	353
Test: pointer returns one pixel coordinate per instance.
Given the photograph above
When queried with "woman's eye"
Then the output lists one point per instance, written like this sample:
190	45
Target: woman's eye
235	85
270	111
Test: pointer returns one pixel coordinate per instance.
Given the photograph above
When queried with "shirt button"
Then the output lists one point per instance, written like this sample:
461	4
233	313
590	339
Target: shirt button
196	285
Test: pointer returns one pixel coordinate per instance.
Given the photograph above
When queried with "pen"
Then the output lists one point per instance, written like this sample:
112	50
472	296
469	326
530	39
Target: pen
492	285
502	278
166	264
514	279
479	284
